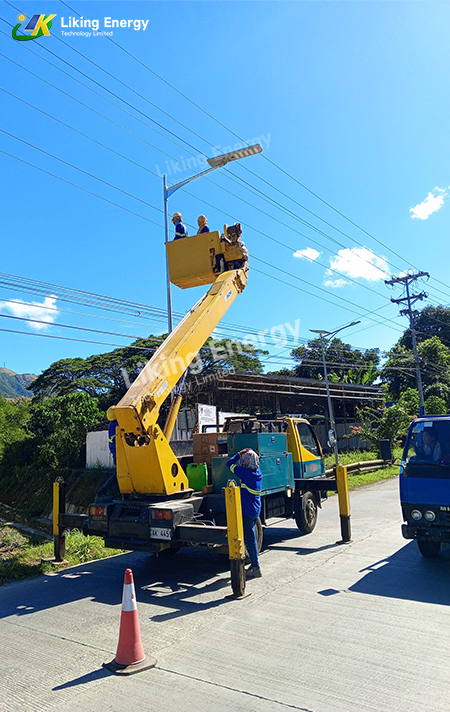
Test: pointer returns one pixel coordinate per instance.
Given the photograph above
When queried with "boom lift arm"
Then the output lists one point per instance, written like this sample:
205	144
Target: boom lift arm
146	463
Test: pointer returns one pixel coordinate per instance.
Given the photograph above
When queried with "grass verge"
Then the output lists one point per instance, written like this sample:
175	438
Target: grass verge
22	555
366	478
347	458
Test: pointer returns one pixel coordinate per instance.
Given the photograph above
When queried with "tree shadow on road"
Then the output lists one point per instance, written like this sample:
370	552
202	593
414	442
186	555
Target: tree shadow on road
409	576
193	572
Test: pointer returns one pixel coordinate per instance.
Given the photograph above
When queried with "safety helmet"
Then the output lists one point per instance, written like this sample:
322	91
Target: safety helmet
177	215
110	413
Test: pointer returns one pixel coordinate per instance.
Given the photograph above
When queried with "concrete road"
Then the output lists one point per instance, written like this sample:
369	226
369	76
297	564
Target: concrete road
363	627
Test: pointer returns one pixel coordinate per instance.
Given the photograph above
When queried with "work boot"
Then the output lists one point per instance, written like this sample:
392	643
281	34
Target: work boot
253	572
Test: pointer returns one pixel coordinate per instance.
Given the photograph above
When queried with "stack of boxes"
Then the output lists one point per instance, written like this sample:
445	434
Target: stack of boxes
209	445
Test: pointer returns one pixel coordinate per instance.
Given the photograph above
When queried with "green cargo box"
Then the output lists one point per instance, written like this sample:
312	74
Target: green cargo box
277	472
197	476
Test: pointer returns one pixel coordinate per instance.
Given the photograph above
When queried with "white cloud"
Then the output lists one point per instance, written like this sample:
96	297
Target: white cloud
41	311
358	262
432	203
309	253
333	283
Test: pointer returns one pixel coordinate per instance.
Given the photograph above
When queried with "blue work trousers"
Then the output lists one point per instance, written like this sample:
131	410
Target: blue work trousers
250	538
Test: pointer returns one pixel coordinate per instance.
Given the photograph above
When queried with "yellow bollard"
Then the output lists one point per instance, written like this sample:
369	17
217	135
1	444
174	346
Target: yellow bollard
344	502
235	534
59	507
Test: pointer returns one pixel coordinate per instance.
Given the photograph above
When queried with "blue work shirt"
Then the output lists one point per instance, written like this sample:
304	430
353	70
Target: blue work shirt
180	231
205	228
112	437
251	484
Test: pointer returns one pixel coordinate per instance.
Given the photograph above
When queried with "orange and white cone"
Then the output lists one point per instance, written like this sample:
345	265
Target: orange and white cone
130	656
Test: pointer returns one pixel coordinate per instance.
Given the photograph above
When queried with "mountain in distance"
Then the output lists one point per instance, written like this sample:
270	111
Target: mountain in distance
13	385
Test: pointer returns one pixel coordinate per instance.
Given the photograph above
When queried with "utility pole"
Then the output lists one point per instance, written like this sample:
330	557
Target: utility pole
332	432
410	299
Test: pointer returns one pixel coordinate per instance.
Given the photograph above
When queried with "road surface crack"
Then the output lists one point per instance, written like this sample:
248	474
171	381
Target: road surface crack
235	689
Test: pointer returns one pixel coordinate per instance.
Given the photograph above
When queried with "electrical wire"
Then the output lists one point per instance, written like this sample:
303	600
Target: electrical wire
238	197
220	123
79	187
213	206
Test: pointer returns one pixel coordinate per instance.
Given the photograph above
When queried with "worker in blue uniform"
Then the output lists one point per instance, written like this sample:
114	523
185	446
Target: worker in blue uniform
245	465
113	424
202	223
180	229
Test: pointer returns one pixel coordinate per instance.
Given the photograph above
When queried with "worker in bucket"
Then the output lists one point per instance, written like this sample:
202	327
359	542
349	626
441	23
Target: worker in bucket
245	465
202	223
180	229
113	424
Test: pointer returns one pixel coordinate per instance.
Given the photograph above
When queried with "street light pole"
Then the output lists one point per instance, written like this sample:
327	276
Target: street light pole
330	404
340	471
215	162
166	239
330	335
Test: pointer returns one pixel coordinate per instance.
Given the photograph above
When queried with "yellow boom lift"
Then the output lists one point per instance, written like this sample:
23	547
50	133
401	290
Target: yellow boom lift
159	510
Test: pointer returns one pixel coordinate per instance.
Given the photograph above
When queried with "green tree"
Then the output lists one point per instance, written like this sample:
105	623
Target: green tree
382	423
431	321
409	401
106	376
100	376
346	363
435	406
399	371
14	416
59	428
225	354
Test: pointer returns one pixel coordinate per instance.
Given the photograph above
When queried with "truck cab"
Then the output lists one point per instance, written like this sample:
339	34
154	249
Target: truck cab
425	483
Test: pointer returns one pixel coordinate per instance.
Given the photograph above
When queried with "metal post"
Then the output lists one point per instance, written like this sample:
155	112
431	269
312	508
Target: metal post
59	507
416	355
166	239
330	405
235	534
344	503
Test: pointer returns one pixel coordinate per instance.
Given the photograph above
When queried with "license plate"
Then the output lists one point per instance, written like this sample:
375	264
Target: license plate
160	533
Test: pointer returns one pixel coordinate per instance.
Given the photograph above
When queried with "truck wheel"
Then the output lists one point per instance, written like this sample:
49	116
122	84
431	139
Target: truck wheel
306	518
429	549
259	531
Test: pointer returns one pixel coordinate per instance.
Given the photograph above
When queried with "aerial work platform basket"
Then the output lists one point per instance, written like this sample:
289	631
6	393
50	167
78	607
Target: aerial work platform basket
198	260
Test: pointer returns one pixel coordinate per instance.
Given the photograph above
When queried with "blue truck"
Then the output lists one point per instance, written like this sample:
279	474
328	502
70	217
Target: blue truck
425	483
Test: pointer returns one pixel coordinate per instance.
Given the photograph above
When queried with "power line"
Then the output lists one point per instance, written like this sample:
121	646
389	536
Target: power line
81	341
79	187
81	170
237	178
220	123
217	208
347	301
256	258
230	177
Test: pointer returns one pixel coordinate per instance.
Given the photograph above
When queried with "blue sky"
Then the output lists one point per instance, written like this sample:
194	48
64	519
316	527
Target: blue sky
350	99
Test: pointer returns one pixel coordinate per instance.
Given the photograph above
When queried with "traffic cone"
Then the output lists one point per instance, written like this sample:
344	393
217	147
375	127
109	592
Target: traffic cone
130	656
